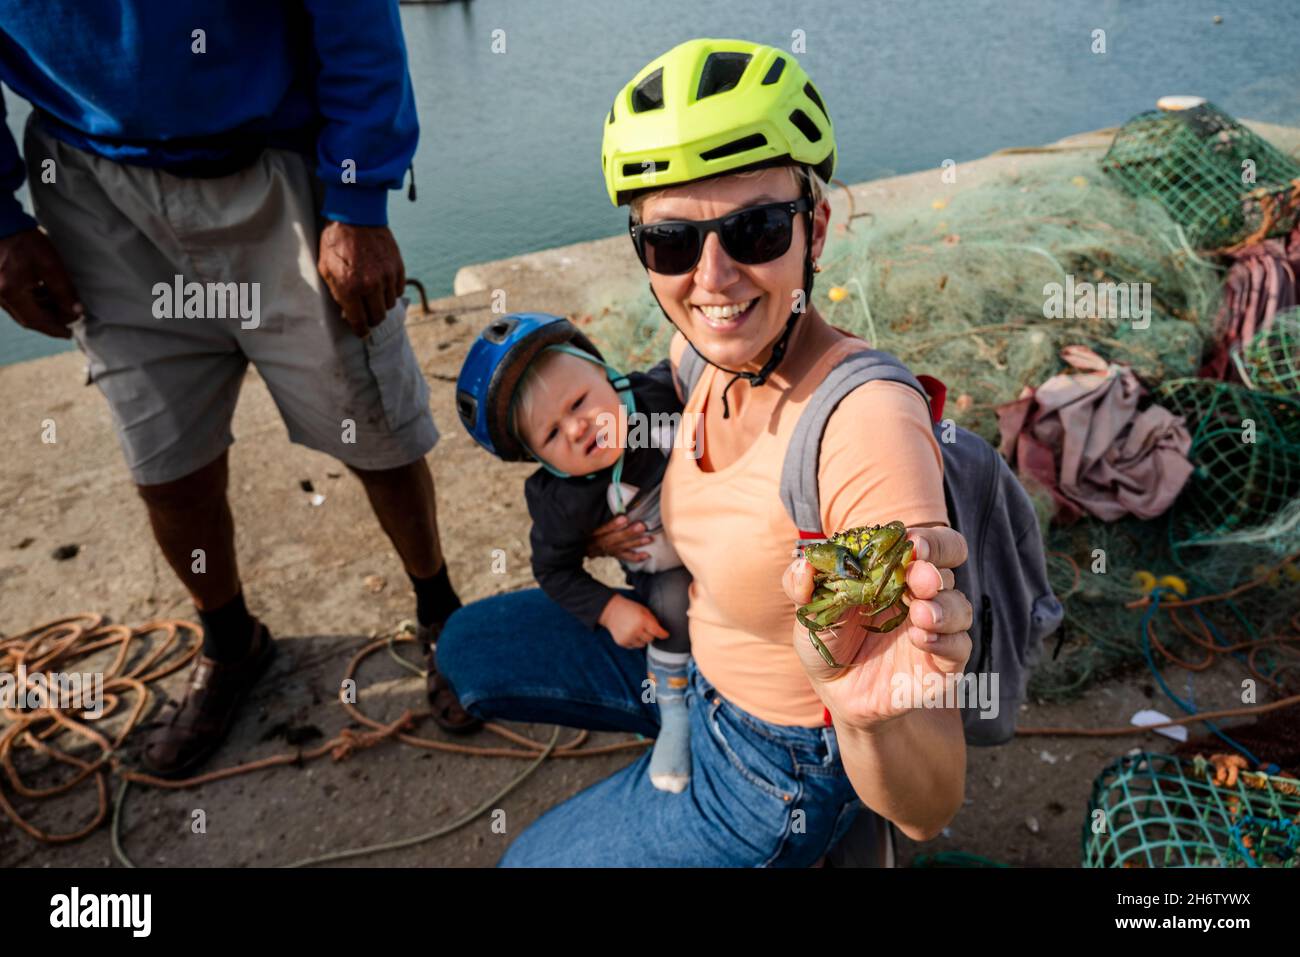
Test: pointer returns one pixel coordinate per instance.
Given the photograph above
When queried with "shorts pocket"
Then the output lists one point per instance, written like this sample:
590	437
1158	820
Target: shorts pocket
402	389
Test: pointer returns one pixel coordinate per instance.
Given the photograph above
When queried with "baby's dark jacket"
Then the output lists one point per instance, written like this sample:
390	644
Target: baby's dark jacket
565	511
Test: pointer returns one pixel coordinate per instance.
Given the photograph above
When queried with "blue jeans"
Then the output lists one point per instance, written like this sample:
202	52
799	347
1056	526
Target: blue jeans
761	794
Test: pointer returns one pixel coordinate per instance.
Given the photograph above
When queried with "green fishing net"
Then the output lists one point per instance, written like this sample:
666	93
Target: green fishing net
1222	183
1158	810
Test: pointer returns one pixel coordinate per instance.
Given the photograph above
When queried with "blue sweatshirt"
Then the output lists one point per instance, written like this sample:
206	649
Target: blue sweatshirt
134	81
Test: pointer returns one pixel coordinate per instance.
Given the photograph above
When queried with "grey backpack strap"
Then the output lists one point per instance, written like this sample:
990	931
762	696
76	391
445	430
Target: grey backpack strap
799	491
689	371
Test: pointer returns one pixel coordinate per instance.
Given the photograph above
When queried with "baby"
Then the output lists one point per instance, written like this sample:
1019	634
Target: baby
565	412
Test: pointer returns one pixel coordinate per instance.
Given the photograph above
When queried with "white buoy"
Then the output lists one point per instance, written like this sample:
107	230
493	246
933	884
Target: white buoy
1174	103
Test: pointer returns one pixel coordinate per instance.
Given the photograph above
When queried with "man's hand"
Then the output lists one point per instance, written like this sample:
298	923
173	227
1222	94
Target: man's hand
619	539
362	268
34	287
932	640
631	623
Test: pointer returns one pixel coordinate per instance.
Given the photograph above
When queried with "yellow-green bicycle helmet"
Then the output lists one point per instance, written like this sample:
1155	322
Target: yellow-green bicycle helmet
708	107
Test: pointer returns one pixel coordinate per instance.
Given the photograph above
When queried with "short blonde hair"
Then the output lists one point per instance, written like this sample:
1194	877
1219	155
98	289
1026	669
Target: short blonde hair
804	177
534	386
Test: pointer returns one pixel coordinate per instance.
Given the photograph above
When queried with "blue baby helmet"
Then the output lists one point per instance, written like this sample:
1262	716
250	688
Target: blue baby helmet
496	362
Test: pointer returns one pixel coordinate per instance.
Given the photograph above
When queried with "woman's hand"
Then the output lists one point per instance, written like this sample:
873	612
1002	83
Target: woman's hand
616	537
631	623
879	680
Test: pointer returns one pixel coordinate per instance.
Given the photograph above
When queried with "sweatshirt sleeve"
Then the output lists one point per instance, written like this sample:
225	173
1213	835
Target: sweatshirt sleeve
12	173
363	90
559	547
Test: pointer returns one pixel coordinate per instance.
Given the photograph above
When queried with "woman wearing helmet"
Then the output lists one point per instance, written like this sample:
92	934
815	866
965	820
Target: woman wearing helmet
723	148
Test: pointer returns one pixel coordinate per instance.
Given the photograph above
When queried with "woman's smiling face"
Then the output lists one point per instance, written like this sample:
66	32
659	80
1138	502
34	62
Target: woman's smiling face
729	311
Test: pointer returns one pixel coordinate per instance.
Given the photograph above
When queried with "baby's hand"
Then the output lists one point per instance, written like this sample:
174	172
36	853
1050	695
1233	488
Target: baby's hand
631	623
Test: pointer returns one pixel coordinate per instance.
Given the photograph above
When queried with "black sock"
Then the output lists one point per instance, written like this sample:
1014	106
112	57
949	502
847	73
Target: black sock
228	630
435	599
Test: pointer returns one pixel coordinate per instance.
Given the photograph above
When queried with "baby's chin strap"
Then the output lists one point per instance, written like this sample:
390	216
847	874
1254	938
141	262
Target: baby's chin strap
624	389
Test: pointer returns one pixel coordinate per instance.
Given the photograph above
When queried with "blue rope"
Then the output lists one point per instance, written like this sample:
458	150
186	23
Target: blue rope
1187	706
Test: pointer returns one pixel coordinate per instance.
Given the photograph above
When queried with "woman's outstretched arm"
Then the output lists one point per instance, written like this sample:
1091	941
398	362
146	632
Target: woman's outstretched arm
903	748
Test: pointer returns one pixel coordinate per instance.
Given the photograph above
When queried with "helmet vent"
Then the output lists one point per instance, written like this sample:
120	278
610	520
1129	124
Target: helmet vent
499	330
722	71
466	407
650	166
806	126
774	71
742	145
649	93
812	95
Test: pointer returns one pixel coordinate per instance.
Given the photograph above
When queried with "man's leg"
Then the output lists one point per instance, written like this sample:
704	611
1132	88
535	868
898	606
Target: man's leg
403	501
192	513
194	528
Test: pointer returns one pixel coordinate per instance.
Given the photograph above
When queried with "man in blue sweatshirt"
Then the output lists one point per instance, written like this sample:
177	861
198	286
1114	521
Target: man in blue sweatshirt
211	183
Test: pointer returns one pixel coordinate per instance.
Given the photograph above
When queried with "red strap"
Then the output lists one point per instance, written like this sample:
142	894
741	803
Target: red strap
826	717
938	393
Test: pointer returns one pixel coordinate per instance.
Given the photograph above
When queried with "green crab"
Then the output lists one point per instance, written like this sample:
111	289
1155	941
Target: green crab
859	566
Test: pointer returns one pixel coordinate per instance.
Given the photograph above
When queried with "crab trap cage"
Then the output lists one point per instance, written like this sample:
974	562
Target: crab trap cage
1160	810
1221	183
1246	455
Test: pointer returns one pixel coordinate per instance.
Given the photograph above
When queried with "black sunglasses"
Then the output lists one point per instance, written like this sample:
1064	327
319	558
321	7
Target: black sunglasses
754	235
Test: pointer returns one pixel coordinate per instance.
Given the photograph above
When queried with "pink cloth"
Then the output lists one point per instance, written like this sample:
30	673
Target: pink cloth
1083	437
1260	283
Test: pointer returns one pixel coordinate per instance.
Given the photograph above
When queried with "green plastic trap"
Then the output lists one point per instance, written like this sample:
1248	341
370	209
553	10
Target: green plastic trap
1223	184
1160	810
1272	359
1246	453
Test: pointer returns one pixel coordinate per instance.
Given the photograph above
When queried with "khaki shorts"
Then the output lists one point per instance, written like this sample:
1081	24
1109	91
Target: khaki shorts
126	232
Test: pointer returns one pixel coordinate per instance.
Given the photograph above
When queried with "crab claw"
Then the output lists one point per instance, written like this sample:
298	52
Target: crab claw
831	559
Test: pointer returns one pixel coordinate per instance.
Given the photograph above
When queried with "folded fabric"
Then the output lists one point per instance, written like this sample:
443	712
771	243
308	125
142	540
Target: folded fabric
1260	283
1082	436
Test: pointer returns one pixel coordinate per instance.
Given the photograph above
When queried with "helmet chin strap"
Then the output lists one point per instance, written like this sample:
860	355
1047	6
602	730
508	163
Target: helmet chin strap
778	348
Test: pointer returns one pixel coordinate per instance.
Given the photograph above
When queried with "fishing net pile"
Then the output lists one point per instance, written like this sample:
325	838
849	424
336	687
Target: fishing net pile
982	287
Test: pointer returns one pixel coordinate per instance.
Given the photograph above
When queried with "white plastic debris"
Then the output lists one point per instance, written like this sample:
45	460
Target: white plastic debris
1047	757
1031	822
318	499
1147	717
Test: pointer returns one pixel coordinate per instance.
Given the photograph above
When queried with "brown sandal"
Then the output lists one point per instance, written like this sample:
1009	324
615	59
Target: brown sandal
447	710
189	733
